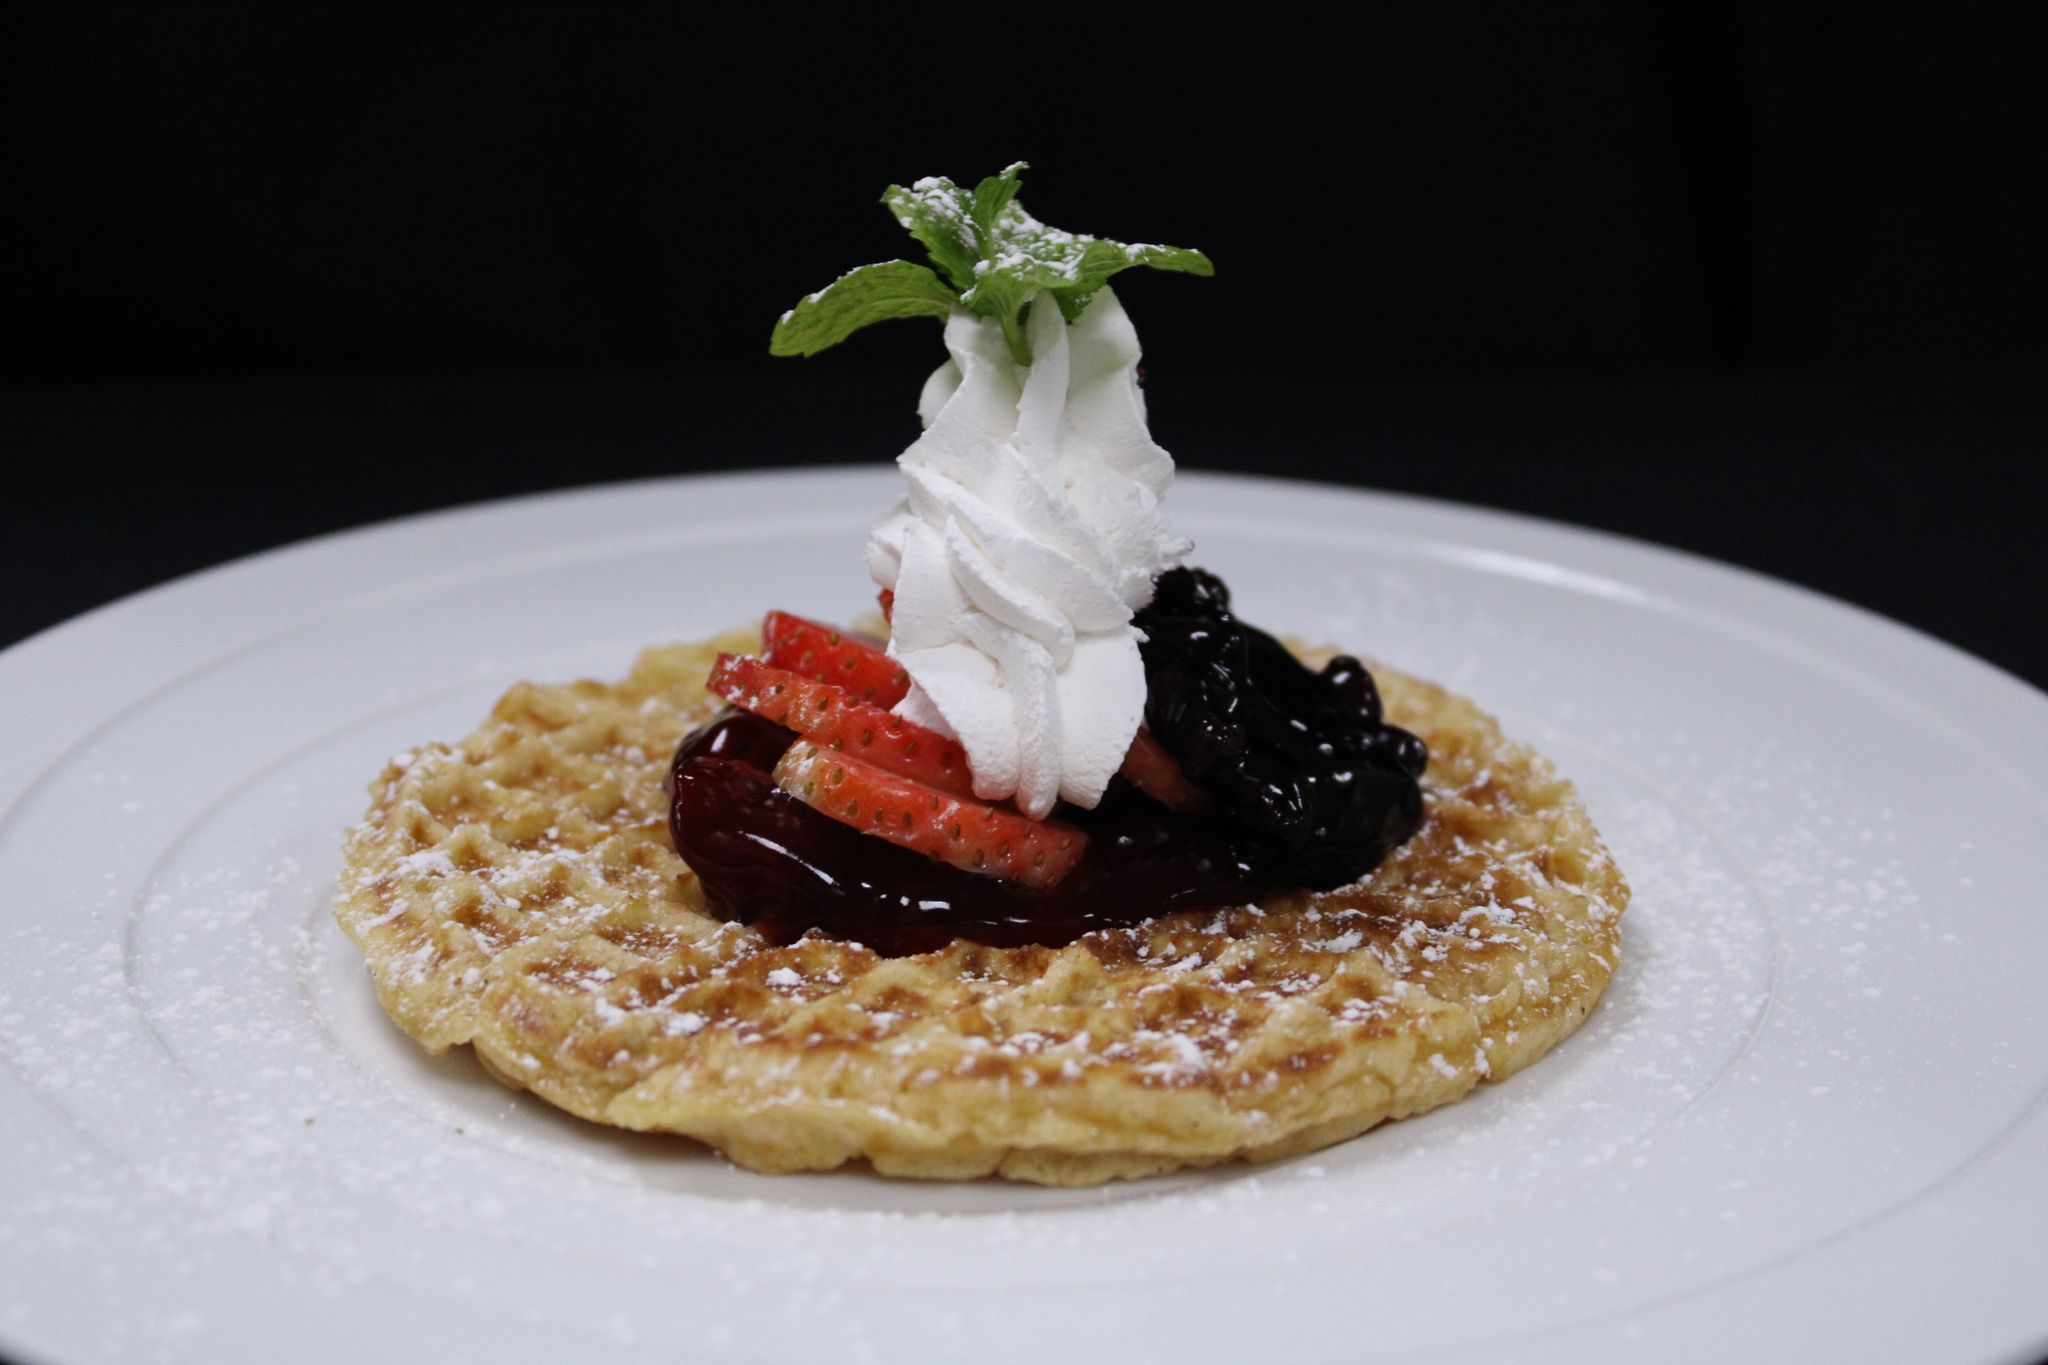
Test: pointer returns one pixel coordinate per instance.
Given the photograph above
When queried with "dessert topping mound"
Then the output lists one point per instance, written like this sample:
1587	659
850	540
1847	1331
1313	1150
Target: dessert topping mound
1032	525
1066	730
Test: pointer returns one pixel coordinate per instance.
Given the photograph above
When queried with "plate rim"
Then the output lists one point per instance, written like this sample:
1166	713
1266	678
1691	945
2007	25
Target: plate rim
1195	475
23	657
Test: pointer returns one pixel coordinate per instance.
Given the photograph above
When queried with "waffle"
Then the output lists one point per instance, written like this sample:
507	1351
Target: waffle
517	892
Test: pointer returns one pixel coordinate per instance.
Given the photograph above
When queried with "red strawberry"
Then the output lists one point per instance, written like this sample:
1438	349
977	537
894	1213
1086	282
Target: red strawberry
833	656
842	722
1153	771
971	835
887	597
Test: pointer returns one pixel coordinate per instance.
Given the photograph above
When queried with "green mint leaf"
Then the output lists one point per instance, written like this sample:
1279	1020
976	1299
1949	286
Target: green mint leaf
1021	258
998	259
873	293
1003	295
991	197
1100	259
941	216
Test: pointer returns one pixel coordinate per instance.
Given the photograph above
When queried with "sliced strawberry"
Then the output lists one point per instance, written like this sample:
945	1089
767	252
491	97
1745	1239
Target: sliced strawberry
1153	771
833	656
842	722
969	834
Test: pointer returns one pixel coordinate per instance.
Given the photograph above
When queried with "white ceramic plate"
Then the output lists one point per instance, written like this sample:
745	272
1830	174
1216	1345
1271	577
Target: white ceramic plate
1806	1123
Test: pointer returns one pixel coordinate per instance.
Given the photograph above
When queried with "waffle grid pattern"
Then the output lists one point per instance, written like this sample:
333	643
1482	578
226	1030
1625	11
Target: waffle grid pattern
517	892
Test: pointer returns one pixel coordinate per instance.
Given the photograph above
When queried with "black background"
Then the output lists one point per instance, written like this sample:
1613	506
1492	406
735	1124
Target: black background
1756	281
1762	283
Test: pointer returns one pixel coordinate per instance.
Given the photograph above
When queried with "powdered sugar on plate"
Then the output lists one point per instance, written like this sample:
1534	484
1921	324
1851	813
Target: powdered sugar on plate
217	1148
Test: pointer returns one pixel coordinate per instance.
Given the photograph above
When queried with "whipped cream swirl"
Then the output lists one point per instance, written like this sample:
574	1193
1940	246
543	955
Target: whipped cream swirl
1031	533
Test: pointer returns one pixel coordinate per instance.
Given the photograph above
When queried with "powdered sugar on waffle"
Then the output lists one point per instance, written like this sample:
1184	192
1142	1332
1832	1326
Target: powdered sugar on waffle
293	1162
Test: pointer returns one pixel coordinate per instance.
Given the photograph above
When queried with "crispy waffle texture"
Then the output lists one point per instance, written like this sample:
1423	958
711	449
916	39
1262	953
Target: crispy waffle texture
517	892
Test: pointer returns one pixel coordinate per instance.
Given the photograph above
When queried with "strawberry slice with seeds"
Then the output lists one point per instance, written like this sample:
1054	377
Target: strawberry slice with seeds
841	722
833	656
1153	771
969	834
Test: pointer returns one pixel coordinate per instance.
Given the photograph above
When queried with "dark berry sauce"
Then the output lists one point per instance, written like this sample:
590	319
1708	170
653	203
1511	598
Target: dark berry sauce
1300	760
1311	789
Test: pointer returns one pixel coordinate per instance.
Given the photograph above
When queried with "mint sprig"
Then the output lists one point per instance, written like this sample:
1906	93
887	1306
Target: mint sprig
996	259
873	293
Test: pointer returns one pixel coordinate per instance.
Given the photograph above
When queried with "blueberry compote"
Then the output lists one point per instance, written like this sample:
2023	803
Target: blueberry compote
1299	760
1311	789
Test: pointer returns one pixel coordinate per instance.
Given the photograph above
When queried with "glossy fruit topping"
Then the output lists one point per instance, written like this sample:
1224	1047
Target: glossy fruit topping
968	834
1153	771
841	722
839	657
1301	760
764	857
1252	772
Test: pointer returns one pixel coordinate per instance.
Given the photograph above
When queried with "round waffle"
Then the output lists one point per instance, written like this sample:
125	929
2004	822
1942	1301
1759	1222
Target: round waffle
517	891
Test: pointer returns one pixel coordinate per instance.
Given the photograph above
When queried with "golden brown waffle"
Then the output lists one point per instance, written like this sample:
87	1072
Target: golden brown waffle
517	891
